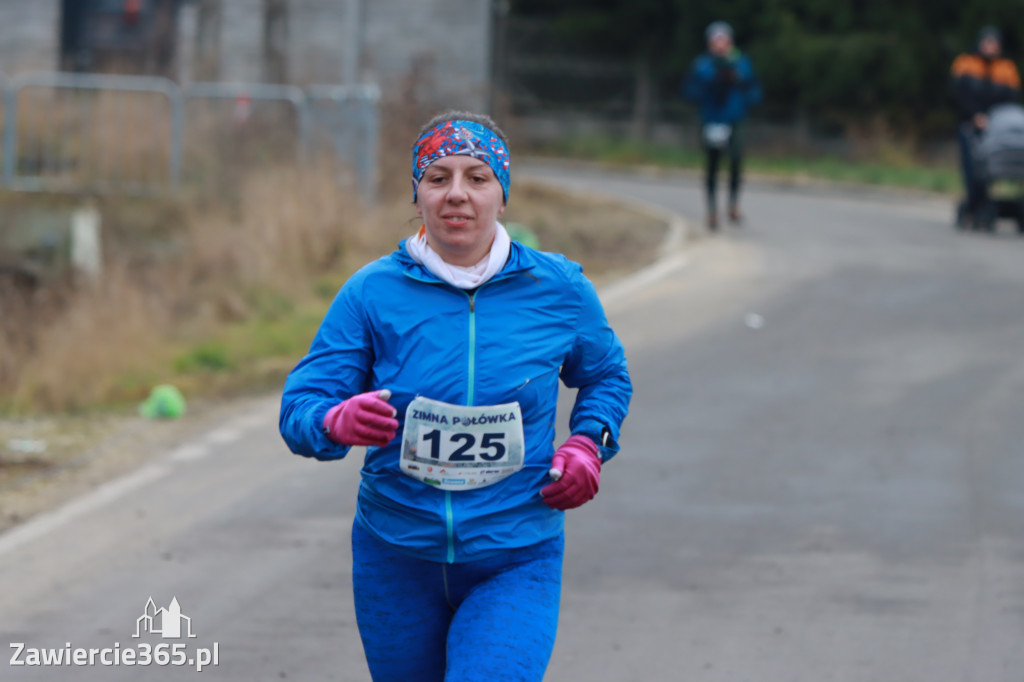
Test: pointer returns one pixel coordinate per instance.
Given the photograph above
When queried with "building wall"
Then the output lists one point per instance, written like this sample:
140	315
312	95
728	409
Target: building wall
442	45
445	45
29	35
314	30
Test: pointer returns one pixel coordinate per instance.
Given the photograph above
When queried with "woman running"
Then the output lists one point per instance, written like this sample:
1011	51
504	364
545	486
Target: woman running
444	358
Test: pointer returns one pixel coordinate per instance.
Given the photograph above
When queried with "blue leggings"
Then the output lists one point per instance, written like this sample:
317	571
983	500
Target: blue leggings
488	621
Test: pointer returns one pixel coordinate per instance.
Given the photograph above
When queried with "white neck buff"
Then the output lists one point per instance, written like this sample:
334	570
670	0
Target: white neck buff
462	277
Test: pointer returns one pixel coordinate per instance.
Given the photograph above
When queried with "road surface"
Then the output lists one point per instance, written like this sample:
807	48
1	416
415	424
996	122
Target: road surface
822	478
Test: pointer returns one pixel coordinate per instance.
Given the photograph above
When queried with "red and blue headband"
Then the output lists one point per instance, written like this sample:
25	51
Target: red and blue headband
467	138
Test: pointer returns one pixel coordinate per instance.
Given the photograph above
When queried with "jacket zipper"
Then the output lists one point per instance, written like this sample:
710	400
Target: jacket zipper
449	512
470	390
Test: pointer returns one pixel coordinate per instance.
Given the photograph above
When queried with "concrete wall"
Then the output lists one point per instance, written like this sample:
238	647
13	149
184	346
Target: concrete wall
443	45
28	35
316	31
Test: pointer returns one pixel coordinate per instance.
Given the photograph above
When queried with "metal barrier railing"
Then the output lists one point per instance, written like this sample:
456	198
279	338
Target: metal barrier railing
244	94
332	106
91	132
80	133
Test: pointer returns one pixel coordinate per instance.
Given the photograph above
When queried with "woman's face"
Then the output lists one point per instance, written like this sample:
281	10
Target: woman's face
459	199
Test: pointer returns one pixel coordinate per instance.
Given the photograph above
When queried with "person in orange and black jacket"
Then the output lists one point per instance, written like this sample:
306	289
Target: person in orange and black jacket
981	80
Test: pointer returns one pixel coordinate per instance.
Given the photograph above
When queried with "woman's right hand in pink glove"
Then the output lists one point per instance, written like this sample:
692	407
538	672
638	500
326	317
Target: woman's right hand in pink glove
364	419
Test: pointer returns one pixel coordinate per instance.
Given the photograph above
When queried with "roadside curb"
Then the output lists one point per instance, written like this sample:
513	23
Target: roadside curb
205	441
678	230
679	233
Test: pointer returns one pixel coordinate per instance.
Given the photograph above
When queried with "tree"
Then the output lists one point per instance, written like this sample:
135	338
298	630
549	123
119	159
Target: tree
842	64
640	32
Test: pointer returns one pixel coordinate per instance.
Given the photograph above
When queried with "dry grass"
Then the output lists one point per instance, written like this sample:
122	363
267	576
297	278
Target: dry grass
118	335
606	237
79	352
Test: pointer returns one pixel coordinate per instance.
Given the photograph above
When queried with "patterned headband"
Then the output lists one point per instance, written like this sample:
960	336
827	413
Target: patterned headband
466	138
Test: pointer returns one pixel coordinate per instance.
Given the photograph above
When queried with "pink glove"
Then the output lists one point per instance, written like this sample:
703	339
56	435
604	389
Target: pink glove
576	468
364	419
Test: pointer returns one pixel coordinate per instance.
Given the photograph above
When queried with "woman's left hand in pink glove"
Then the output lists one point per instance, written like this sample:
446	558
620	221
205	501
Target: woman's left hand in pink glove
576	468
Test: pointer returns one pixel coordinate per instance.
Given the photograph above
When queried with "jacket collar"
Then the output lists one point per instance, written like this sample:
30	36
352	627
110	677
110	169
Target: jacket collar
519	260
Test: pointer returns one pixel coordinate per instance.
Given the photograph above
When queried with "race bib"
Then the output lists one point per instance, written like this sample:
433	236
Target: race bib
458	447
717	135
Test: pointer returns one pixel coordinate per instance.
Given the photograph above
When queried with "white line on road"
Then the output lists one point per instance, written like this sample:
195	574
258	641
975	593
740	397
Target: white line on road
670	256
624	288
189	453
101	496
224	434
47	522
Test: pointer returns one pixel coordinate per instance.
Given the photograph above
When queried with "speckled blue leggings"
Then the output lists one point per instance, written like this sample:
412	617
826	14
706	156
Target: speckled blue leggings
422	621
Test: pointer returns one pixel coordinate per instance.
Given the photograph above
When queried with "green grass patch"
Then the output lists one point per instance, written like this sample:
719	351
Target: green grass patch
208	356
254	353
904	173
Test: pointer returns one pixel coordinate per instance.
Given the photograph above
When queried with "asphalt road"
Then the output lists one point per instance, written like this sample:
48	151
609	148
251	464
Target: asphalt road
822	478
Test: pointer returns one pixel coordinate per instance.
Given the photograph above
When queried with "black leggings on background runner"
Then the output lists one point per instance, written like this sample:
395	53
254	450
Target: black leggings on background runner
712	157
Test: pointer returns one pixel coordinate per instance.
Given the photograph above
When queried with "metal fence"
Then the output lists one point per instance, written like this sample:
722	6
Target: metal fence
85	132
92	133
350	115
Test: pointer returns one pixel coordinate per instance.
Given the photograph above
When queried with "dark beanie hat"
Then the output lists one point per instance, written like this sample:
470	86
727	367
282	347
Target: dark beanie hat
987	32
718	28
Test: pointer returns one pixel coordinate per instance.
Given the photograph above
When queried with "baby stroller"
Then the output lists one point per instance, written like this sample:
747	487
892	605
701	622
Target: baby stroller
998	154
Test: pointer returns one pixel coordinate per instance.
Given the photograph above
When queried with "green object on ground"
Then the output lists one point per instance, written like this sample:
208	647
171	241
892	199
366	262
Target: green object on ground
522	234
164	402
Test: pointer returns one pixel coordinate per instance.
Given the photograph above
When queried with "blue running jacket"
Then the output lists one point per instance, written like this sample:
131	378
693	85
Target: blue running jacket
395	325
722	102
